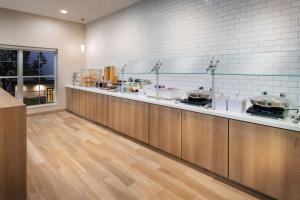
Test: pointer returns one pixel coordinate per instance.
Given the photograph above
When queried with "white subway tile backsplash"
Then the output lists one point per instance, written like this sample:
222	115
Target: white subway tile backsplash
292	84
248	36
294	90
273	83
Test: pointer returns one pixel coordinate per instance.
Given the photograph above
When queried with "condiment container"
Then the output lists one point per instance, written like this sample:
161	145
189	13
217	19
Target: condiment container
107	73
221	102
237	104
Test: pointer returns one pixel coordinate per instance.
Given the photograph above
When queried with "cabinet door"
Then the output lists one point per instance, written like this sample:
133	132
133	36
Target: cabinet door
116	113
90	107
82	103
75	101
205	141
137	120
165	129
71	99
296	168
265	159
100	115
68	98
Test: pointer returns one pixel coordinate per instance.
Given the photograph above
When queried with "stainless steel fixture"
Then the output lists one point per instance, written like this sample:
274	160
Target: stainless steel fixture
270	101
269	106
212	69
198	97
123	72
156	69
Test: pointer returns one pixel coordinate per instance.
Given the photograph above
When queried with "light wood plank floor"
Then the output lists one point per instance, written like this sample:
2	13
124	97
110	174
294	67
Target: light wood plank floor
71	158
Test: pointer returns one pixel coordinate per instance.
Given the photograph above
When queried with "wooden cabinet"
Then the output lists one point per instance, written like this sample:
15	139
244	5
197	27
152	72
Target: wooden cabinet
12	148
100	115
262	158
75	101
79	102
137	120
90	105
68	99
165	129
265	159
205	141
124	116
116	113
83	104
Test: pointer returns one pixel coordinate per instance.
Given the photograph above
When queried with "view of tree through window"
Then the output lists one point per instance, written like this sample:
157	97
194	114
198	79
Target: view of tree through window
38	72
9	70
38	79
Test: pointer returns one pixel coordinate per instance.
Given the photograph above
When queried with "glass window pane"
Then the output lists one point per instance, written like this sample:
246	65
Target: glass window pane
8	55
8	69
46	90
47	63
31	63
9	84
31	91
37	90
38	63
8	63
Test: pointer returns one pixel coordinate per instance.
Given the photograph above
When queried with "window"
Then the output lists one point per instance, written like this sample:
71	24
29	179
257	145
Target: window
29	75
8	70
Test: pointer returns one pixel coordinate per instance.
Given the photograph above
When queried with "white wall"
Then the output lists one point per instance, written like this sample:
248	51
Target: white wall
23	29
248	36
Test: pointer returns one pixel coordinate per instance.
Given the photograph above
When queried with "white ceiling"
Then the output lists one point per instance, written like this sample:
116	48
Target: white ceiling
77	9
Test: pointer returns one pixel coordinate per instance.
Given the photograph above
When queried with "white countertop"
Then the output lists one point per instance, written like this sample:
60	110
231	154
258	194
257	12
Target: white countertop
284	124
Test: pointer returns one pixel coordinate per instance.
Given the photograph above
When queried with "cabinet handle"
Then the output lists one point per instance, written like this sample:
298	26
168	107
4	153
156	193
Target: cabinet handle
295	141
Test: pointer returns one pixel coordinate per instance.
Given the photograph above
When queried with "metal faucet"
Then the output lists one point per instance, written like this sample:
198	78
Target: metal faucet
156	69
123	71
212	68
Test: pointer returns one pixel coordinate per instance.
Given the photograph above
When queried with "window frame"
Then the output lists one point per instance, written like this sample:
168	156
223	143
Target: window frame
20	77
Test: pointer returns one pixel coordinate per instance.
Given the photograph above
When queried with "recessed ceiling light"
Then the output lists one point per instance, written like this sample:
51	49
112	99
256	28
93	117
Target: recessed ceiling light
63	11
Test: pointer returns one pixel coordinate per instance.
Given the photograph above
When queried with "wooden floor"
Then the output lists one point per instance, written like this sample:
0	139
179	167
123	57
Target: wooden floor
71	158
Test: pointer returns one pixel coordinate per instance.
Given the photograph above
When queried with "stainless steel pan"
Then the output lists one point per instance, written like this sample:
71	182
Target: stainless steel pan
269	101
199	95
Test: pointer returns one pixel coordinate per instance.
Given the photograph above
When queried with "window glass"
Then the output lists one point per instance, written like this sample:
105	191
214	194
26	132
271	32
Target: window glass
31	91
46	90
47	60
9	55
38	79
38	63
31	63
8	63
9	85
8	69
38	91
